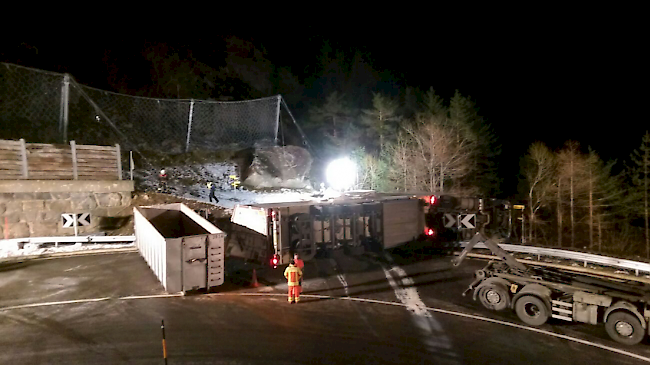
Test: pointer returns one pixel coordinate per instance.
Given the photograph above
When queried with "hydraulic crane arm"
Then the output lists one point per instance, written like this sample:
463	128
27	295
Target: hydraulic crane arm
496	250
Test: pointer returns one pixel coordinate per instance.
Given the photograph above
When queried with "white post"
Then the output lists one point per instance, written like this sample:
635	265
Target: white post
189	126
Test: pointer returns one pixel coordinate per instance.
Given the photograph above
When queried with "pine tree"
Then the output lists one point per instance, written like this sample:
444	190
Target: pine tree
433	104
463	117
640	181
381	119
334	121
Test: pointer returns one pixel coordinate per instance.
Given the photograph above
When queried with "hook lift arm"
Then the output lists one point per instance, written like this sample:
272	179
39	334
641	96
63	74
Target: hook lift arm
496	250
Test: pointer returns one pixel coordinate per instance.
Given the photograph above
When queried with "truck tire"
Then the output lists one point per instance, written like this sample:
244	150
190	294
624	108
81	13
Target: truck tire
493	297
625	328
531	310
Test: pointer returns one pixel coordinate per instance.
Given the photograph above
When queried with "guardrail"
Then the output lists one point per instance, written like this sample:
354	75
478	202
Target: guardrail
573	255
68	239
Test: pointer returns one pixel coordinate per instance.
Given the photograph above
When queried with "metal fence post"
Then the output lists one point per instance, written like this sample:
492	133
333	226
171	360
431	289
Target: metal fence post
73	148
23	154
189	126
63	115
277	120
119	161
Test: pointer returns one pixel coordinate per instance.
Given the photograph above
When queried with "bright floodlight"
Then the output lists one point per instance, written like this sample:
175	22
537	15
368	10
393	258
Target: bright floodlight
341	174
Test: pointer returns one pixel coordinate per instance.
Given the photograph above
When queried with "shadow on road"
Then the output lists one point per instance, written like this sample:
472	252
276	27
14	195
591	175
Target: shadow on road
16	264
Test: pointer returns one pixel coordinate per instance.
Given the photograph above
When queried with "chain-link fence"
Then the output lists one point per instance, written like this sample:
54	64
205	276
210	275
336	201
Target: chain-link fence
49	107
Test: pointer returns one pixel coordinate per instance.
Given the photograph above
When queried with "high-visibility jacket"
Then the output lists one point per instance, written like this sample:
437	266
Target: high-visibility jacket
293	275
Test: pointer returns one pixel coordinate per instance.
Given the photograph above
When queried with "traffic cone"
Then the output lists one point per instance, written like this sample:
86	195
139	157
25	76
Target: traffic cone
254	283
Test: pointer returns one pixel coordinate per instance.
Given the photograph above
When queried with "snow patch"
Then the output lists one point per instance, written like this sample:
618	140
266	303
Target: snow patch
33	249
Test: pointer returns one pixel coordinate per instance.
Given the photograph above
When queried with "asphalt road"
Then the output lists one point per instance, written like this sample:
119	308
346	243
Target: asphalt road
394	309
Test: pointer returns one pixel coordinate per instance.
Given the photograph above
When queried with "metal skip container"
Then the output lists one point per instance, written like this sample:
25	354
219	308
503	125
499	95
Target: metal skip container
184	250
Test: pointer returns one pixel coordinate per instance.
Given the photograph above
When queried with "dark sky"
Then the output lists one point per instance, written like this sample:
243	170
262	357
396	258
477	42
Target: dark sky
546	76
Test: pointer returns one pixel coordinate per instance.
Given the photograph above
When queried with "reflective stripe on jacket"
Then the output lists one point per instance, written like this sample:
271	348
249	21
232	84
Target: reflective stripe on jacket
293	275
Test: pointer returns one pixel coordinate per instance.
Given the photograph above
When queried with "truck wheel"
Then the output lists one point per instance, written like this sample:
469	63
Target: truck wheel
493	297
531	310
624	328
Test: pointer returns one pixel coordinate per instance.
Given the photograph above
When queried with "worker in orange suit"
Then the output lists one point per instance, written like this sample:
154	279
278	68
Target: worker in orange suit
293	275
301	266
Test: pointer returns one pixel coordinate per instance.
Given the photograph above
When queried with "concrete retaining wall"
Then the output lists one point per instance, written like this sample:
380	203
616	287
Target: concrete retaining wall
32	208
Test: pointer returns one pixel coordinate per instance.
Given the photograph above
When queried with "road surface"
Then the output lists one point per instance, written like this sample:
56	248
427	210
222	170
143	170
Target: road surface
396	308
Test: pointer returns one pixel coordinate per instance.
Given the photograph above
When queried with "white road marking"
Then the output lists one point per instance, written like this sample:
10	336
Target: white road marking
343	282
79	301
46	304
471	316
434	335
363	300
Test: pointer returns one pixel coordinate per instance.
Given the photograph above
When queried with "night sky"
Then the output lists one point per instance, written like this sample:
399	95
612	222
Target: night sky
543	77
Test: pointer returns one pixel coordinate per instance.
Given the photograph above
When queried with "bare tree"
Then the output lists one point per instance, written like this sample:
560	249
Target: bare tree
403	172
603	192
438	149
538	171
570	170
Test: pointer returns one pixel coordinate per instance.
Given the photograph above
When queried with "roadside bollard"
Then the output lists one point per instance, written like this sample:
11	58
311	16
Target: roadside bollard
164	345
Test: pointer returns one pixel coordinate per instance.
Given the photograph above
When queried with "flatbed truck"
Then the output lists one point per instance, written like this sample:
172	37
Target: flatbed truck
538	293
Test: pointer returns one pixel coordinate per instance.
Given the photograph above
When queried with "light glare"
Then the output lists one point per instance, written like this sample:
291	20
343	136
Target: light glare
341	174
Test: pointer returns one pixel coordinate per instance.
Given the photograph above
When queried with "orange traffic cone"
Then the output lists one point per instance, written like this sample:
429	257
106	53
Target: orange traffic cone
254	283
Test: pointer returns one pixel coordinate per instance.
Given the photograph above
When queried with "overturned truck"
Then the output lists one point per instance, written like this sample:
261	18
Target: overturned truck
358	222
275	231
537	293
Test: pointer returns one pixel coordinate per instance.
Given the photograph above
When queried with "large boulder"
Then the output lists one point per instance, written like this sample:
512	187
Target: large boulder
277	167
